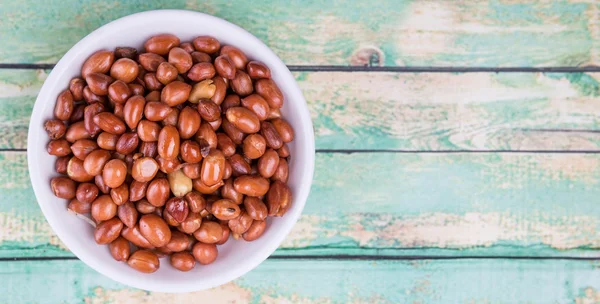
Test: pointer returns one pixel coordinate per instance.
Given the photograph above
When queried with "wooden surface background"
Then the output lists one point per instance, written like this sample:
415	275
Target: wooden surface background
458	152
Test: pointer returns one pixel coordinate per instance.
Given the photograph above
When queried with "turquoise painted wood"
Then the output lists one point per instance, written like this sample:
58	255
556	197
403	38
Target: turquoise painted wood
324	281
348	32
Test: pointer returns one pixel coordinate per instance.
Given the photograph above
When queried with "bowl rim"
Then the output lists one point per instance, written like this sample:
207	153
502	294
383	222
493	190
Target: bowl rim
61	230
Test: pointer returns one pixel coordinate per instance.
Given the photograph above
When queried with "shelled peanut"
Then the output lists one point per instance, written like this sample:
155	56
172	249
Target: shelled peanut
173	150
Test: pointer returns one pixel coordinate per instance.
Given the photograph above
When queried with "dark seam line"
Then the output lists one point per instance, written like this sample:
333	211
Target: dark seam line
356	257
560	130
397	69
353	151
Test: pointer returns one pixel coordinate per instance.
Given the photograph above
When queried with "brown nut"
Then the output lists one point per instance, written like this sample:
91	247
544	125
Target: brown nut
166	73
77	114
55	128
135	236
215	125
95	161
187	46
230	101
59	147
103	208
207	134
233	132
76	86
270	92
229	192
179	242
182	261
168	142
137	190
158	192
99	62
88	121
205	253
201	71
228	170
191	223
144	207
255	208
200	57
167	165
242	84
107	141
209	232
119	249
161	44
148	130
128	214
180	59
92	98
172	118
191	170
278	197
243	119
155	230
86	193
127	143
64	105
220	90
153	96
190	151
188	122
284	151
226	233
284	129
257	69
79	207
255	231
203	188
124	69
282	171
108	231
239	166
257	105
76	172
175	93
60	165
150	61
114	173
179	183
202	90
251	185
99	181
156	111
241	223
212	168
238	57
63	187
208	110
119	91
274	113
206	44
225	209
268	163
125	52
225	144
98	83
149	149
144	261
272	137
76	131
144	169
133	111
110	123
254	146
196	201
177	207
225	67
152	82
118	111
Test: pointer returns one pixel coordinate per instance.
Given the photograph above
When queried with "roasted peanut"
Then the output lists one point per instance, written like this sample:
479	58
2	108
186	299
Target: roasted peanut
76	172
103	208
206	44
177	208
99	62
242	84
63	187
86	192
76	87
238	57
255	231
257	69
144	261
268	163
270	92
188	122
108	231
179	183
175	93
64	105
225	209
161	44
204	89
251	185
209	232
182	261
158	192
124	69
55	128
225	67
120	249
254	146
155	230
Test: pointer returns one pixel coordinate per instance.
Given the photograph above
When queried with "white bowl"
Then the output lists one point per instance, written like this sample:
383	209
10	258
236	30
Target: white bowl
235	257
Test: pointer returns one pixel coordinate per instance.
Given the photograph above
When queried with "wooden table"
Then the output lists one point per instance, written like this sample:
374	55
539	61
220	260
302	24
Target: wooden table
455	162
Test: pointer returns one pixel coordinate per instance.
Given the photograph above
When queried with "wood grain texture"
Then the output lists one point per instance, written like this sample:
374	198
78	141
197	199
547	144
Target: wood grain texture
349	32
415	111
290	281
398	204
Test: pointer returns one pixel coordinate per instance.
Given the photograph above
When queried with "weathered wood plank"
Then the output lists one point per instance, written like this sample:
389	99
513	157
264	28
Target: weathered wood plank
319	281
423	111
398	204
349	32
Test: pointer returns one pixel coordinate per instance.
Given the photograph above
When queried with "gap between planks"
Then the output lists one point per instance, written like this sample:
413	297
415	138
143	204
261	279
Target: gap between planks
396	69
